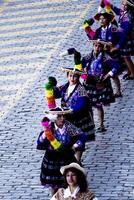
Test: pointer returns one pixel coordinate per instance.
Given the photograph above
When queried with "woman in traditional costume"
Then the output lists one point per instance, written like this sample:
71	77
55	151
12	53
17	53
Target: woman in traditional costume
60	139
98	83
76	186
74	96
109	33
126	28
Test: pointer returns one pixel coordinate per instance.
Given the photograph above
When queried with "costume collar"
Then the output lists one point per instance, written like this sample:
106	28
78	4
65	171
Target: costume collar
71	88
106	27
67	192
61	130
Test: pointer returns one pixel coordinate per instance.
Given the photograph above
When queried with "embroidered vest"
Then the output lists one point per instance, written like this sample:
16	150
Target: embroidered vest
80	196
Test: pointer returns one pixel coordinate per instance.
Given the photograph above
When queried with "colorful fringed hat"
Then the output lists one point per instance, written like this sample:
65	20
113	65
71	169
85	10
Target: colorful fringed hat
103	12
77	62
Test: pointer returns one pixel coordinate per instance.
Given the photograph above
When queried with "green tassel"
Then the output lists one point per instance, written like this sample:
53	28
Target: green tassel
52	80
48	86
51	83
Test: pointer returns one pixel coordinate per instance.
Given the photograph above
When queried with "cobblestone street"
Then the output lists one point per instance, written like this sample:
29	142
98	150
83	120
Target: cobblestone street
32	35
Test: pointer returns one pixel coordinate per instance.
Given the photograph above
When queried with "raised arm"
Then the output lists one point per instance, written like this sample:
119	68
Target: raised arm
42	142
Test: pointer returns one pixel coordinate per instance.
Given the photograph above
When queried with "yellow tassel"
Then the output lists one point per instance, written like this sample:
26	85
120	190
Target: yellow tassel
55	144
108	8
49	93
79	67
85	25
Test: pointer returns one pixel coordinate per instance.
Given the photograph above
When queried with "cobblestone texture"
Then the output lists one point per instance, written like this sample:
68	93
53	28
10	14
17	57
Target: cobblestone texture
32	34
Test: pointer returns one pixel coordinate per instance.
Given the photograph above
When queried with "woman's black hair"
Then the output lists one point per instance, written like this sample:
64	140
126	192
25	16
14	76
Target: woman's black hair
82	182
106	16
101	45
45	119
129	8
78	75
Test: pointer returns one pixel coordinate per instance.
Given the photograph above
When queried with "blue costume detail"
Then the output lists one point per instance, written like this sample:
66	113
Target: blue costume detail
126	23
100	92
79	101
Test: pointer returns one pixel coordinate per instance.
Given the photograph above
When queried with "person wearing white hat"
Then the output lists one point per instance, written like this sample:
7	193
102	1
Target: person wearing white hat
107	29
60	139
75	186
98	83
73	95
108	32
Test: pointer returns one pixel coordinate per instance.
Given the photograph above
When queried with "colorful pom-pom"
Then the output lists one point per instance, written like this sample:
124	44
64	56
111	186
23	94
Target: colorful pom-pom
90	32
106	2
107	5
48	86
85	25
53	141
79	67
49	93
50	99
51	105
52	81
56	145
84	76
108	8
49	135
45	124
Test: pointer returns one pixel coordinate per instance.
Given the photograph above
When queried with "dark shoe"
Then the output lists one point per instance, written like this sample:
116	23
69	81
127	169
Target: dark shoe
101	129
117	95
129	78
126	75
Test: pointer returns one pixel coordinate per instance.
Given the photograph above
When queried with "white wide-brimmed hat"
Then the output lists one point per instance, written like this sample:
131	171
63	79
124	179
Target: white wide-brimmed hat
72	165
72	70
100	41
59	111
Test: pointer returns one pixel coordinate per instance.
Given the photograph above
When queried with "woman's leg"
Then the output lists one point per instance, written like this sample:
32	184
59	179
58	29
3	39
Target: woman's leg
130	65
101	119
101	115
117	86
78	155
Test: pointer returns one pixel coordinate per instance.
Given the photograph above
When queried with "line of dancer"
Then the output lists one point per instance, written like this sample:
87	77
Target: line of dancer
67	128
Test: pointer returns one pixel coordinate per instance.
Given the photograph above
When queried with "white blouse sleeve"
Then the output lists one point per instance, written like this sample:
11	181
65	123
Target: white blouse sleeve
93	198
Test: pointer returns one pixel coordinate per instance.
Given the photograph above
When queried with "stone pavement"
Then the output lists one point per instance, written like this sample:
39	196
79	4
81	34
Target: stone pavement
32	34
